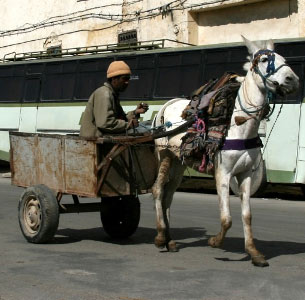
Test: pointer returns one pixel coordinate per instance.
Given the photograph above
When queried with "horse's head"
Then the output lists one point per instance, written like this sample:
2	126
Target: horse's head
269	69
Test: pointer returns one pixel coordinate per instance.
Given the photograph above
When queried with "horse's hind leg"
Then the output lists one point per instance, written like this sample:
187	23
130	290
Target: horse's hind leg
163	191
257	257
158	194
222	186
176	174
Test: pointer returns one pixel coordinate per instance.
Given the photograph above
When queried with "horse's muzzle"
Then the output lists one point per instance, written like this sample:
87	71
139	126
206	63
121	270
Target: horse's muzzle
290	86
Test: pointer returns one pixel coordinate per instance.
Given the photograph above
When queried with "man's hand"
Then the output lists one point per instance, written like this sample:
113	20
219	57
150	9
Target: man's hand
133	123
141	108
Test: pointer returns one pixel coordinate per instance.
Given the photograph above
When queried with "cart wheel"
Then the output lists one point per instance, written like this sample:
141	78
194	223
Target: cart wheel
38	214
120	215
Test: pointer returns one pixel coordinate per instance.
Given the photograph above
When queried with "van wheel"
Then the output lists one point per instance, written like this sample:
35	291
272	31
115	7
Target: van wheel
120	216
303	190
38	214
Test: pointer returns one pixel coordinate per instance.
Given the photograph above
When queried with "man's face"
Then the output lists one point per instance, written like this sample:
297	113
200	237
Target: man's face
120	83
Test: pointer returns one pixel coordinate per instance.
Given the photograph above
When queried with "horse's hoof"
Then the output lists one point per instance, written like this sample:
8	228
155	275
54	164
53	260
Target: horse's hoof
171	246
160	242
259	261
213	242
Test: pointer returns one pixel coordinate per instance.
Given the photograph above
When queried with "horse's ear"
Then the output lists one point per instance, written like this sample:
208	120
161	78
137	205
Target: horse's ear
270	45
252	47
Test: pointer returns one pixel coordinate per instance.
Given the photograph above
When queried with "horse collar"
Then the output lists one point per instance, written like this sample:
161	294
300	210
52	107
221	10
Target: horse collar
237	144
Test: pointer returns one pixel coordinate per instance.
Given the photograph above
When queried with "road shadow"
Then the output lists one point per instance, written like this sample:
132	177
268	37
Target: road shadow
272	190
143	235
293	194
270	249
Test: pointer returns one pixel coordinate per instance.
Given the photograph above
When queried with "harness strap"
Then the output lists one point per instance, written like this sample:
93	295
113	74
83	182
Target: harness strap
242	144
270	70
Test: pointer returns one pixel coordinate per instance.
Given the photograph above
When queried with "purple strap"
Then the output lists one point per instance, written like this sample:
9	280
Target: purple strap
242	144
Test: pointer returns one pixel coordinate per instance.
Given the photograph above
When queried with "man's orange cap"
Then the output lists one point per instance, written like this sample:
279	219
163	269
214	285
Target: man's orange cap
117	68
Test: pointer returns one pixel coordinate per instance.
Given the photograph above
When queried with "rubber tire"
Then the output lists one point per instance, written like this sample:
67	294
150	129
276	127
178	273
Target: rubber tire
48	214
303	190
260	183
120	216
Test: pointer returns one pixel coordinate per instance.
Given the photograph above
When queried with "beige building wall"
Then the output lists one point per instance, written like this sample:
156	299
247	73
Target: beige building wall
26	25
274	19
33	25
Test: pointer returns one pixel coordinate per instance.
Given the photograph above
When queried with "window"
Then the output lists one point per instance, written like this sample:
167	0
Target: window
32	89
296	97
291	49
89	78
128	37
58	87
59	81
11	89
142	77
11	84
178	74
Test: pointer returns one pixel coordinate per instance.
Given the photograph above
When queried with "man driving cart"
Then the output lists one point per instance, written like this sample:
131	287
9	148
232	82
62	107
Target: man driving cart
104	113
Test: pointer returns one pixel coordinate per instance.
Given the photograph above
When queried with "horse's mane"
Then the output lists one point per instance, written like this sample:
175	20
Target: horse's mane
247	65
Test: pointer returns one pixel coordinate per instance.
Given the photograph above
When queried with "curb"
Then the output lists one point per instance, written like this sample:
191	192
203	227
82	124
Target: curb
7	175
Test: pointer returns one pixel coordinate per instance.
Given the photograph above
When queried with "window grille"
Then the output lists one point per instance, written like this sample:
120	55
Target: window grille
127	37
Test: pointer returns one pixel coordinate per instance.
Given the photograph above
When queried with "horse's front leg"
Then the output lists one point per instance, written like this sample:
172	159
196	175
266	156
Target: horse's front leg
258	258
158	191
223	191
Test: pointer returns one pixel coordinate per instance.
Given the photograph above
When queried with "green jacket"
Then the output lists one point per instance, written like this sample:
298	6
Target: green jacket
104	114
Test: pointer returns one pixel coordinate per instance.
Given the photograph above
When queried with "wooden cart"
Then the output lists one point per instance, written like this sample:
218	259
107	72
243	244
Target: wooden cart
116	169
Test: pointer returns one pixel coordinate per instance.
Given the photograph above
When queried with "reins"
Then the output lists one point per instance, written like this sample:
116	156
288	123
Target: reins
269	95
267	140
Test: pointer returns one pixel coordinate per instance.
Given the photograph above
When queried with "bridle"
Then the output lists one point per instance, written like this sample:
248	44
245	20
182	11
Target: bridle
270	70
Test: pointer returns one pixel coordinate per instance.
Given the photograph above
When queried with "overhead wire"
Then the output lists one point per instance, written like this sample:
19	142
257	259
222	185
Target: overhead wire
118	18
48	20
67	18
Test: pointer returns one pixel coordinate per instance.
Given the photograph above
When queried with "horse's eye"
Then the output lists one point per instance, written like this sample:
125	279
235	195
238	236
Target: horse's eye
264	59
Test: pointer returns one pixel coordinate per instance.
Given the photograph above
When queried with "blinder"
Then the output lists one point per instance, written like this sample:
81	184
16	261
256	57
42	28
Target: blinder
270	70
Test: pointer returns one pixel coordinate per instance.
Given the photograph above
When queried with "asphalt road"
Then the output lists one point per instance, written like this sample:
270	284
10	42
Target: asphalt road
82	262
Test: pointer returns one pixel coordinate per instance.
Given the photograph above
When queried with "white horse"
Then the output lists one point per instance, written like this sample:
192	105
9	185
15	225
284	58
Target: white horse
267	73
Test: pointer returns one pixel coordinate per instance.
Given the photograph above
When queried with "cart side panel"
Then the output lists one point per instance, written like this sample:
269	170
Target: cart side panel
49	162
23	160
80	167
146	167
118	179
130	174
36	160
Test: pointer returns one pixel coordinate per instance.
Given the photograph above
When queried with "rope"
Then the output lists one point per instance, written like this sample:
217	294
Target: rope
167	124
262	154
280	110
